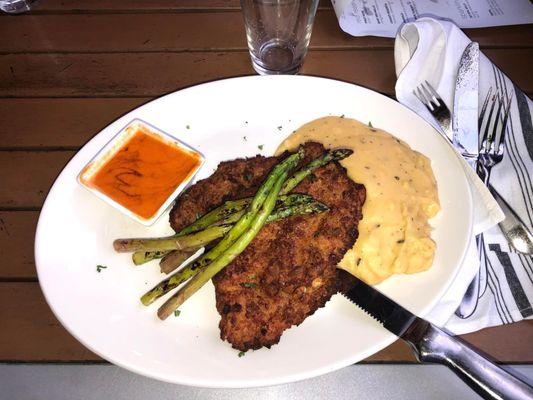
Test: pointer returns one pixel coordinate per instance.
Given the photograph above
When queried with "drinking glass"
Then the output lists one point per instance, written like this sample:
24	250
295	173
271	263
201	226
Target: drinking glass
278	33
16	6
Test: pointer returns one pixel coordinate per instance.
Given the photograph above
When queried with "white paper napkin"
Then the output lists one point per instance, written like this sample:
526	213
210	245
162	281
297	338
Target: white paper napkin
430	49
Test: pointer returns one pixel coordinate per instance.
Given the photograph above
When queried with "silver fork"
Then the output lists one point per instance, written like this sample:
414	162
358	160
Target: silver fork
433	102
490	154
492	140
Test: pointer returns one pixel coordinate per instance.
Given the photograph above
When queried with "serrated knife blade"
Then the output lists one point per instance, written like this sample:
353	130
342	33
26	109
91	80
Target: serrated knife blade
465	103
432	344
387	312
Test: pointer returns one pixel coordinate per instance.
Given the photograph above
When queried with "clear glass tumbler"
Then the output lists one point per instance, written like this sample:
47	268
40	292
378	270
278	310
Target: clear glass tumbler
16	6
278	33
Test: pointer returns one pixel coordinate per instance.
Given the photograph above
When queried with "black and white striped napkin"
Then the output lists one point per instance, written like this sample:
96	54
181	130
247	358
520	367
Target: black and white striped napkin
430	49
506	277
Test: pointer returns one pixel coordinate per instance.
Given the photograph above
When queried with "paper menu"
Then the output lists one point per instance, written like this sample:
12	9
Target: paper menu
384	17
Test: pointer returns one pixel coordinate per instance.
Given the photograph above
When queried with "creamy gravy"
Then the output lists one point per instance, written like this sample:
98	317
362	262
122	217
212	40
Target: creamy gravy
401	195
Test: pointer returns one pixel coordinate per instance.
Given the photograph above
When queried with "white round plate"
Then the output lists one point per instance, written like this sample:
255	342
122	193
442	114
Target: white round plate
224	120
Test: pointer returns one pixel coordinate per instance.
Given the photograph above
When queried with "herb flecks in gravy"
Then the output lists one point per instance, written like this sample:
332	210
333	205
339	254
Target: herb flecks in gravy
401	195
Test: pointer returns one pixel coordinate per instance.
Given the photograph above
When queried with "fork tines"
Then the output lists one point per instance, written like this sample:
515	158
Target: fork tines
497	107
427	95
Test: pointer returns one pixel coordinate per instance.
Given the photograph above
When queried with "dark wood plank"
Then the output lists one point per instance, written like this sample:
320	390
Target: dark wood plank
505	343
26	185
187	31
142	5
130	32
503	36
44	339
23	305
57	123
134	5
17	233
154	32
115	75
152	74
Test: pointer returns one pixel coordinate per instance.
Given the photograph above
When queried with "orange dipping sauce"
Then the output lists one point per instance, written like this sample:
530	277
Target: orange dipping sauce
143	172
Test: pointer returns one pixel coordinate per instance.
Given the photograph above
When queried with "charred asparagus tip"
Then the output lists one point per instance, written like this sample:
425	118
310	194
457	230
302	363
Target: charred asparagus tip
149	297
339	154
326	158
142	257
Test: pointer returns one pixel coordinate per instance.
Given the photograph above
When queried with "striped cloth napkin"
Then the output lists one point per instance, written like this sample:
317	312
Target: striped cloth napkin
431	49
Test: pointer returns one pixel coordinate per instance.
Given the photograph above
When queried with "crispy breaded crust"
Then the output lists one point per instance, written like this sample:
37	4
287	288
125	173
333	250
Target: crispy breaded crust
289	269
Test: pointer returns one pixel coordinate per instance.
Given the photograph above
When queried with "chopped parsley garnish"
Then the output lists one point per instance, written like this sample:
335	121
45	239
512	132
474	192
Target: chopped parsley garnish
249	284
370	124
99	268
188	126
242	353
177	313
260	147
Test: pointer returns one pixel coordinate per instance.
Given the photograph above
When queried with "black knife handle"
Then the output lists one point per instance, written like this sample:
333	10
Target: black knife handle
489	380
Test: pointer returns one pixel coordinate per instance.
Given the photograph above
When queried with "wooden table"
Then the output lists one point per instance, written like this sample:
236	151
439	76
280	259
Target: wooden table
72	66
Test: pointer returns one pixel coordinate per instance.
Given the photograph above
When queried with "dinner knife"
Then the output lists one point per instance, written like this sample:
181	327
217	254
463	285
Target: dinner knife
432	344
466	140
465	105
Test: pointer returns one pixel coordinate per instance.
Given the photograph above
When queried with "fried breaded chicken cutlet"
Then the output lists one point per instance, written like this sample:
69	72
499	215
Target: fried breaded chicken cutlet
290	269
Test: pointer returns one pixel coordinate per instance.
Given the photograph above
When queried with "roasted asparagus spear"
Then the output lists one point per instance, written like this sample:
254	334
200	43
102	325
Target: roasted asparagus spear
229	253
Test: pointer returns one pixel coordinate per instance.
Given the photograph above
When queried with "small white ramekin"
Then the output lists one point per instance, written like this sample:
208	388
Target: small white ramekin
113	146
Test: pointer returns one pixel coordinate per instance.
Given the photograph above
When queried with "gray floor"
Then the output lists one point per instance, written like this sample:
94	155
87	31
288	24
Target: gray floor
361	382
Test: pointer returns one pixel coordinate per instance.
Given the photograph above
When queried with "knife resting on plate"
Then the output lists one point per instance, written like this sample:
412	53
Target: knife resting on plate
431	344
